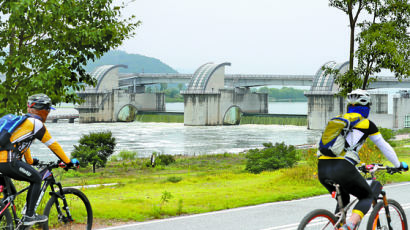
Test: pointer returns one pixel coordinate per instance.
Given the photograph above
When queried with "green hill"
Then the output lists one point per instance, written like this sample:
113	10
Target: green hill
136	63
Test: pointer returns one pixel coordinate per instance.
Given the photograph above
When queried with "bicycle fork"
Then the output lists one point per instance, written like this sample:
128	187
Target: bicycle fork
69	218
386	209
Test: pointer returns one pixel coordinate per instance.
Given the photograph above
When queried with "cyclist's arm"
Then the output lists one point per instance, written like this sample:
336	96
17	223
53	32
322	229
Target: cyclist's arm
27	157
44	136
386	148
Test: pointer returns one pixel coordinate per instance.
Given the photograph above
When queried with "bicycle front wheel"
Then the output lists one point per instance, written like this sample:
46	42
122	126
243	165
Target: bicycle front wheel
318	219
78	214
378	217
6	221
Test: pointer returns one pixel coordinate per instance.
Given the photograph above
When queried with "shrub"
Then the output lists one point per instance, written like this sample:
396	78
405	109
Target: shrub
94	149
270	158
174	179
386	133
165	159
161	159
369	153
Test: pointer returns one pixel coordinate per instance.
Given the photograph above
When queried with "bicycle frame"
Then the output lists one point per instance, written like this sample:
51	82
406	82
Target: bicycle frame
10	194
369	169
342	214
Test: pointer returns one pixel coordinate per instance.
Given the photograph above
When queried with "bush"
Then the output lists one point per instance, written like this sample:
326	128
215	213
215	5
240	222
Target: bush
387	134
270	158
174	179
94	149
161	159
165	159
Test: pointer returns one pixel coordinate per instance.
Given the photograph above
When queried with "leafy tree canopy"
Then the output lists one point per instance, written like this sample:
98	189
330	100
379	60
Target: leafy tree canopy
383	40
44	46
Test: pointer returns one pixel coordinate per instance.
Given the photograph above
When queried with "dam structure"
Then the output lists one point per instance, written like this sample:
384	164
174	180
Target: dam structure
213	97
324	104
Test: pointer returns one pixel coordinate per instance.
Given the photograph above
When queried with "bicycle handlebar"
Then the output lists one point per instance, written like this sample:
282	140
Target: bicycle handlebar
55	164
372	168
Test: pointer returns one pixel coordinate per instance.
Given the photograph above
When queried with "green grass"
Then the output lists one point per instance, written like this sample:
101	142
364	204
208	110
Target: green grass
160	118
197	184
273	120
244	119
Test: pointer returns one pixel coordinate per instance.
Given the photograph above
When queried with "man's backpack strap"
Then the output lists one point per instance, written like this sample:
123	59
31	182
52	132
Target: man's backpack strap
352	124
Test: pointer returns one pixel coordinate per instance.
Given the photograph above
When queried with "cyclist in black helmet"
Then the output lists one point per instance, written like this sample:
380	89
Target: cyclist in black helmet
342	170
11	164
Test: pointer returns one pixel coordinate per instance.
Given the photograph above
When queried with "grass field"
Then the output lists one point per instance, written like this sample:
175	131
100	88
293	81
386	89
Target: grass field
198	184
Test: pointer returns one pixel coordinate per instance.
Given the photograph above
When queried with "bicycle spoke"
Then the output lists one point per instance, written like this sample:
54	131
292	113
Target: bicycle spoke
379	218
318	220
319	223
77	210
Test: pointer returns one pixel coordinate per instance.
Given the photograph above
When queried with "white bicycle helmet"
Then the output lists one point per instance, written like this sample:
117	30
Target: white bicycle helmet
39	101
358	97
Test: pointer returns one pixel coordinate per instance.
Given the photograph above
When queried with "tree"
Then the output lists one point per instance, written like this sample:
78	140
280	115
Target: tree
45	45
383	42
94	149
352	8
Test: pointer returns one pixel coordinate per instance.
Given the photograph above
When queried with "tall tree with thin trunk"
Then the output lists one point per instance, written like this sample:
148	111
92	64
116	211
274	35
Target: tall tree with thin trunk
352	8
383	41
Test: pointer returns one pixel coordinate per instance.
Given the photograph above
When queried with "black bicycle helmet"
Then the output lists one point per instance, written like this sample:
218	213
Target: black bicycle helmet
39	101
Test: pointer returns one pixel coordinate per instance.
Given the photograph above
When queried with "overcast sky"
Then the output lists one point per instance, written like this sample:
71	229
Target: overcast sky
255	36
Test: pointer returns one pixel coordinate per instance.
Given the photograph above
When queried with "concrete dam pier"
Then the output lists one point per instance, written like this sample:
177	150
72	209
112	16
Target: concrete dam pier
106	102
207	102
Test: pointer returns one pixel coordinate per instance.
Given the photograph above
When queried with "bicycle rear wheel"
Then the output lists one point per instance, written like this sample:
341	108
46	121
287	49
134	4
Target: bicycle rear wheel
79	207
378	217
6	220
318	219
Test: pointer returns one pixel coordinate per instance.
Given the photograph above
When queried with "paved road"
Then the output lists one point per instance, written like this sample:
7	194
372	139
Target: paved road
271	216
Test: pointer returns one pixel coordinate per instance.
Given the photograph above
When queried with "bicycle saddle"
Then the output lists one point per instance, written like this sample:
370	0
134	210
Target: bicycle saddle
330	182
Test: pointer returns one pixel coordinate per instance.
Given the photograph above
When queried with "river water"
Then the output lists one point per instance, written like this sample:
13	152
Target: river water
175	138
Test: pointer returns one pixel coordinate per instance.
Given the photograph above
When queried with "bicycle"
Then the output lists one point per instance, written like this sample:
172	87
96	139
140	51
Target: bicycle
387	214
59	207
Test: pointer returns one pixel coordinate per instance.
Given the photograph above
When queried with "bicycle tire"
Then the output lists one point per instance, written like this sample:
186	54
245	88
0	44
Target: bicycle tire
79	207
378	219
318	219
6	220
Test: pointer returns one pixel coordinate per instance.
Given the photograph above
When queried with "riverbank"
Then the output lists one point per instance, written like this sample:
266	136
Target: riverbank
196	184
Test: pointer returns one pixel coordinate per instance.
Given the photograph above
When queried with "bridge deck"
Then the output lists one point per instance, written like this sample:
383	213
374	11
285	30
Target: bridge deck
248	80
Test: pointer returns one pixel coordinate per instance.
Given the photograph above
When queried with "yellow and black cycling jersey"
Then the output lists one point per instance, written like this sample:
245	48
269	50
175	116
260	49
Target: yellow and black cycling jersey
358	135
24	135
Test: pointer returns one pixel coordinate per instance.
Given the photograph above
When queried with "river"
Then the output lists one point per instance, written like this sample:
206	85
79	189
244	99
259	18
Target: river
175	138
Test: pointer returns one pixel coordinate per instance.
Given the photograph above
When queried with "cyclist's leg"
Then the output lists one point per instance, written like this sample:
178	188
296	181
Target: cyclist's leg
356	185
22	171
326	172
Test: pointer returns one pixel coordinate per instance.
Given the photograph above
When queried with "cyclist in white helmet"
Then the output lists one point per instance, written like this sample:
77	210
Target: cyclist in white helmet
342	170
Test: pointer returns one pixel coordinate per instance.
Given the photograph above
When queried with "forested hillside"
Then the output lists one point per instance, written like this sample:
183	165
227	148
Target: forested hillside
136	63
283	94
